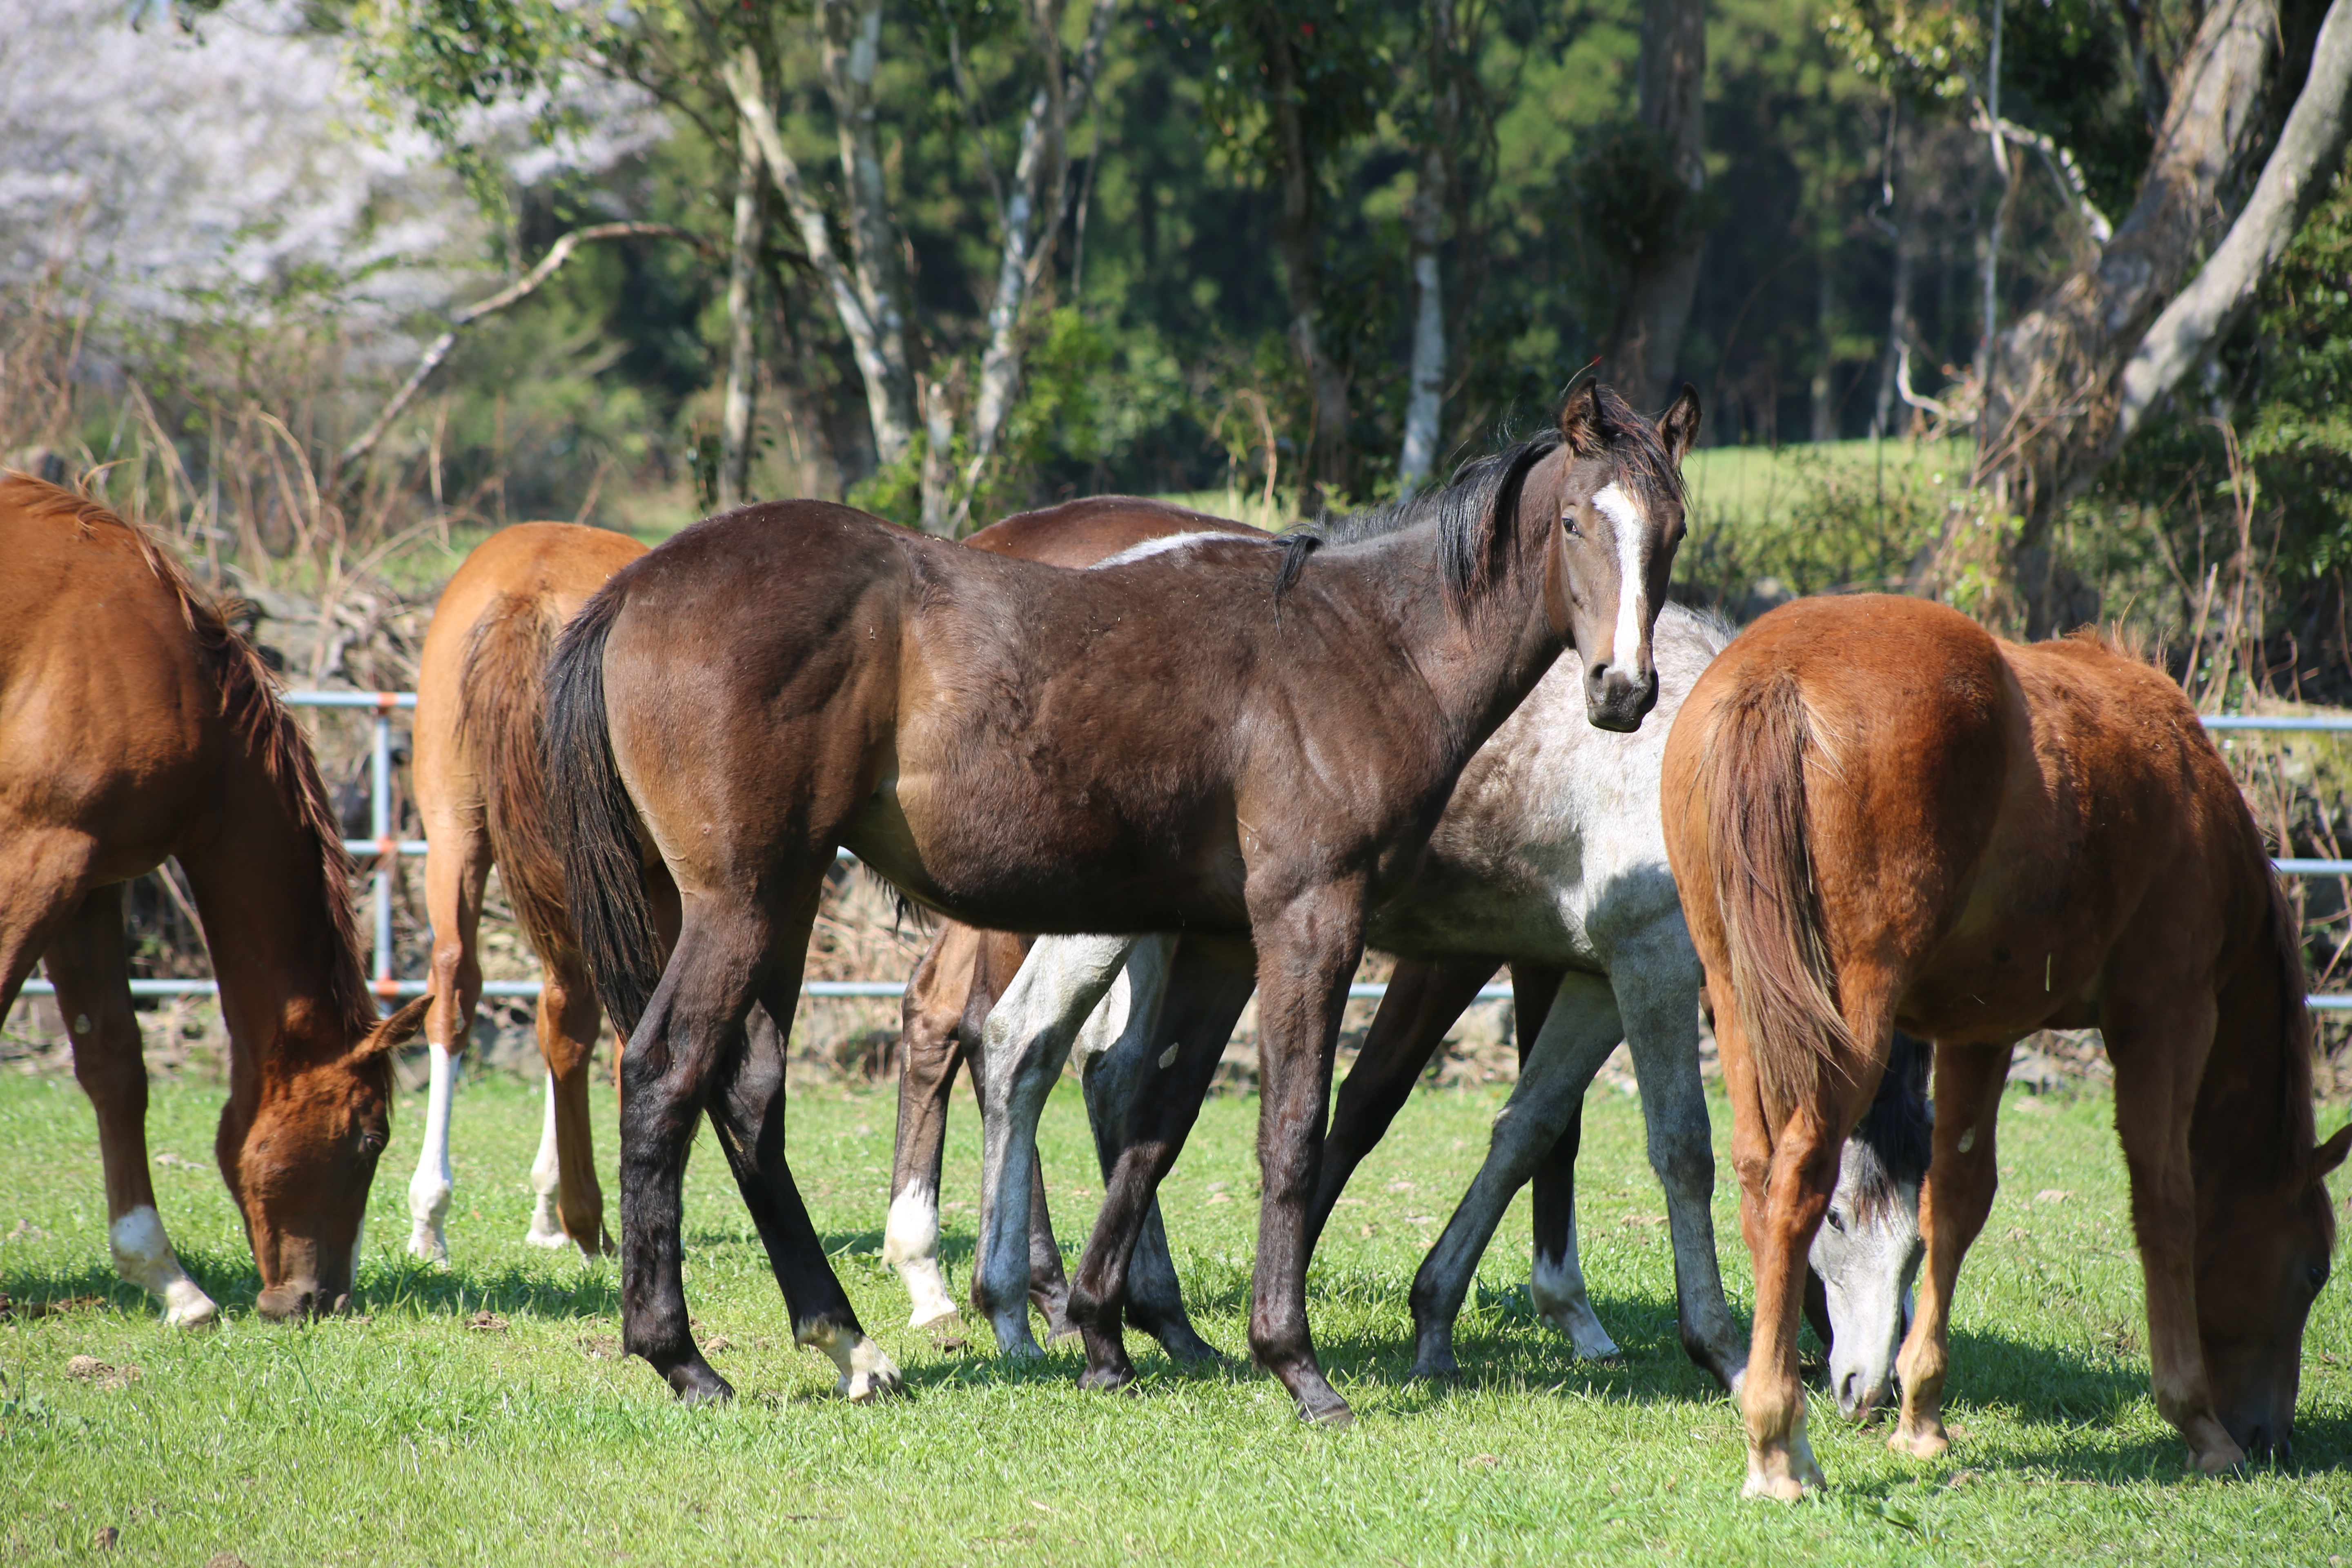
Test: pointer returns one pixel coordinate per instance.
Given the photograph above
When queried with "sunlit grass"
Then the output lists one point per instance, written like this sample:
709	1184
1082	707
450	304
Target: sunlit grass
424	1430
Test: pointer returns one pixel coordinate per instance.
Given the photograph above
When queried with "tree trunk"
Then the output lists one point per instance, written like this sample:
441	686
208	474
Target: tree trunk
892	417
743	337
1649	335
1425	398
1898	315
1298	240
1823	388
1032	216
2309	152
938	401
850	52
817	470
2050	396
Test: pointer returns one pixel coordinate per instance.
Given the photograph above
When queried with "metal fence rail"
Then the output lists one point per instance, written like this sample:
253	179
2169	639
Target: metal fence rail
384	849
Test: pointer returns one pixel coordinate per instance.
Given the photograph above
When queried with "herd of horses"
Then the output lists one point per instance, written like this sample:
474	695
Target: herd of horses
1190	764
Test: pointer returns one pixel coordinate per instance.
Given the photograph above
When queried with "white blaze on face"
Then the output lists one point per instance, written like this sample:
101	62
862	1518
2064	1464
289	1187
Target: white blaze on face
1633	573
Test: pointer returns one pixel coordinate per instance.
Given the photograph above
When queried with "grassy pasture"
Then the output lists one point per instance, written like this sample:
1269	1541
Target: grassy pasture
480	1413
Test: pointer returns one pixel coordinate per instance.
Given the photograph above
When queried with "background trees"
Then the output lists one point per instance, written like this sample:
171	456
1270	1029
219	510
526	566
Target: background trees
953	257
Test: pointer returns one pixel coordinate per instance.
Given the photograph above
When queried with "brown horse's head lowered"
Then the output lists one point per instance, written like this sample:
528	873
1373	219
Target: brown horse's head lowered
2266	1229
300	1160
136	725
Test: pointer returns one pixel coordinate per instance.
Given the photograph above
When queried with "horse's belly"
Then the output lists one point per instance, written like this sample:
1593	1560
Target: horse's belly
1036	864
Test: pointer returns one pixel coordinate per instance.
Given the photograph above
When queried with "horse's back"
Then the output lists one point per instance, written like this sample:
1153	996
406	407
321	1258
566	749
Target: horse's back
1081	533
106	702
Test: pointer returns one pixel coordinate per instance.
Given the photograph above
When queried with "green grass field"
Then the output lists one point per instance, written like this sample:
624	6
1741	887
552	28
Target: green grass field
480	1413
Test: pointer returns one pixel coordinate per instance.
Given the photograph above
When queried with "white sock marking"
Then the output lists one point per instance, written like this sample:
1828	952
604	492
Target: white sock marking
430	1189
911	1244
547	1182
143	1255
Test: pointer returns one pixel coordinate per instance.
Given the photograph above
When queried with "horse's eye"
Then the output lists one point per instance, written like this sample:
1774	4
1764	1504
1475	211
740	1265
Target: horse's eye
372	1141
1836	1221
2318	1272
1568	524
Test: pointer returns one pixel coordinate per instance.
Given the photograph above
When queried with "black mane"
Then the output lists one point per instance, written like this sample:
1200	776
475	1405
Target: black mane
1893	1142
1472	509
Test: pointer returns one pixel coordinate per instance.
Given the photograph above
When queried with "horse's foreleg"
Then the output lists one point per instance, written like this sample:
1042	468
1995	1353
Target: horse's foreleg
88	965
2159	1045
1963	1174
456	867
691	1029
570	1210
747	1109
1143	1095
930	1049
1423	1002
1306	950
1027	1039
1657	995
1579	1032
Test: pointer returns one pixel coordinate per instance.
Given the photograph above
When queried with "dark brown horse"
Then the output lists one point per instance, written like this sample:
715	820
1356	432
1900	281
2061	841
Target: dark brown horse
136	726
1881	815
1232	738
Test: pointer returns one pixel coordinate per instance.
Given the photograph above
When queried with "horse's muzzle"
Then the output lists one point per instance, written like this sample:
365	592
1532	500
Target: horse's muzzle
1617	699
301	1299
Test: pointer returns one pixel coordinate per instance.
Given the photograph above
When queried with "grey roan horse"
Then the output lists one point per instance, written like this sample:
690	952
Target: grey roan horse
1550	857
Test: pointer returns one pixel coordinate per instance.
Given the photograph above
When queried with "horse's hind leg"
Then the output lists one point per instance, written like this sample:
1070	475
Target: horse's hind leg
1963	1174
1423	1002
88	965
1556	1271
1657	995
1204	994
931	1049
571	1201
1579	1032
691	1032
746	1107
456	867
1182	1002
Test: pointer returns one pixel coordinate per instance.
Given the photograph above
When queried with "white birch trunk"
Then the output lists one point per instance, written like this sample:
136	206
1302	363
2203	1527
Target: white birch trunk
743	338
851	49
893	422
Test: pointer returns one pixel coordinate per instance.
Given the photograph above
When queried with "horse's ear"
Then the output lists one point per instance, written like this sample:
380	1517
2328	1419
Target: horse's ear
394	1032
2330	1154
1580	424
1678	425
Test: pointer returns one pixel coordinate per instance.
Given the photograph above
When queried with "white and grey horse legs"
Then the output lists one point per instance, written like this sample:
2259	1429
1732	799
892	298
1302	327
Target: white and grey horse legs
1028	1037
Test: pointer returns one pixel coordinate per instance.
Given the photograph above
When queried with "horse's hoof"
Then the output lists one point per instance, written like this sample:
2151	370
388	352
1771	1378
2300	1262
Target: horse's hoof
697	1385
935	1315
2220	1459
863	1385
428	1244
1925	1442
1436	1366
1332	1416
187	1307
1784	1475
1183	1345
1106	1379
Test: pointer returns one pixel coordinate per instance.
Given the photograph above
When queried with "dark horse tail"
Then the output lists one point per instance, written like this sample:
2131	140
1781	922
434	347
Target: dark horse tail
595	822
500	710
1781	976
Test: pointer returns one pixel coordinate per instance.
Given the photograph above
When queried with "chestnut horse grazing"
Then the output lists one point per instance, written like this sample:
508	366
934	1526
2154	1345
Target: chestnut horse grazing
1239	739
477	786
1881	815
135	726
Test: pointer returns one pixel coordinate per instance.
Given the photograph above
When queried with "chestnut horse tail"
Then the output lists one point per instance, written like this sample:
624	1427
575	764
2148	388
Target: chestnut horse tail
1781	977
595	822
500	707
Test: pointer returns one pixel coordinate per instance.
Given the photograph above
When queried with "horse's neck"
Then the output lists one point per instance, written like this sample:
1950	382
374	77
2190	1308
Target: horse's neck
283	961
1480	661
